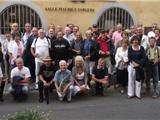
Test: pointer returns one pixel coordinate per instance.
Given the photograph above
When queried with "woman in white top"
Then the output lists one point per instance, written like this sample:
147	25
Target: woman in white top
15	50
80	76
121	58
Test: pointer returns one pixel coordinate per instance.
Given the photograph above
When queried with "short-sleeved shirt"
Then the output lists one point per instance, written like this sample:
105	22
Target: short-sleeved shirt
41	47
100	73
61	77
24	72
47	72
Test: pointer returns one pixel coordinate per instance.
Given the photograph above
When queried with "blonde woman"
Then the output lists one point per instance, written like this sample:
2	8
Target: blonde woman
80	76
121	58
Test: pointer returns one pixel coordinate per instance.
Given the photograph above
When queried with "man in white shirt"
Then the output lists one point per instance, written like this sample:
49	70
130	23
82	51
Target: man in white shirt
26	34
144	40
19	80
40	50
67	35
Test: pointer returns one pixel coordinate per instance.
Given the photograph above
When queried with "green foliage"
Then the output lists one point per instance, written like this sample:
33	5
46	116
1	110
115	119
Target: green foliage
30	115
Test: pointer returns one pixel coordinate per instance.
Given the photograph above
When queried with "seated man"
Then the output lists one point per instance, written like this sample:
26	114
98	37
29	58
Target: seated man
19	80
46	75
63	82
99	77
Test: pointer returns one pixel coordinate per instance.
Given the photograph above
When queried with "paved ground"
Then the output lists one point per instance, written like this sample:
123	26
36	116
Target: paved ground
113	106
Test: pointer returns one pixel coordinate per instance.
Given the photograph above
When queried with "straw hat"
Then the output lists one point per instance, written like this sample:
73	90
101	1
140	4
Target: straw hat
47	59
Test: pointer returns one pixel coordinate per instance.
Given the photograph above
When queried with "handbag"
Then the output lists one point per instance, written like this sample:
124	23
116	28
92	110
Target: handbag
122	66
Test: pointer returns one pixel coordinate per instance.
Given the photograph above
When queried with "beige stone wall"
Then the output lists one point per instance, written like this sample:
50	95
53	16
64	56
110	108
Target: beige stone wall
146	12
83	19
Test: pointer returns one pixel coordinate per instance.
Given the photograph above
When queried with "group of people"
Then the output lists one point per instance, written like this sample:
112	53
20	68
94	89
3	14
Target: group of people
65	60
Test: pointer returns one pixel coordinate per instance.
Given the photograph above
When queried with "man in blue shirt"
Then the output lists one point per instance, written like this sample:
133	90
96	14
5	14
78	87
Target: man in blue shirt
63	82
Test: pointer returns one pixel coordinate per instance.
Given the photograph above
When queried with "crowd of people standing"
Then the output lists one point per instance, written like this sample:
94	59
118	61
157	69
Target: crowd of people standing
72	63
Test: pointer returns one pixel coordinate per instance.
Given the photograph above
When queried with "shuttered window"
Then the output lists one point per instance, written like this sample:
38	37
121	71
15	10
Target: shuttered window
20	14
111	17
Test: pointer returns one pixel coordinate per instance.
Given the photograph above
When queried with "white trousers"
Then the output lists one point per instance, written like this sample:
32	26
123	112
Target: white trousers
37	68
78	89
134	87
69	93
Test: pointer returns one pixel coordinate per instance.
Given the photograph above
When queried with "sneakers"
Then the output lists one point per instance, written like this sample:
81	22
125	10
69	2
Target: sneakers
69	99
36	86
155	95
122	91
60	98
116	86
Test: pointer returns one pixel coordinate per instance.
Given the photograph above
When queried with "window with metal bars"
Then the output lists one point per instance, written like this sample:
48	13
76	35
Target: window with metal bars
20	14
111	17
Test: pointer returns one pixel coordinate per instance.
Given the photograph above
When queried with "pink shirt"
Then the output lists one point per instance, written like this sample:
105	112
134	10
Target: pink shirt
116	38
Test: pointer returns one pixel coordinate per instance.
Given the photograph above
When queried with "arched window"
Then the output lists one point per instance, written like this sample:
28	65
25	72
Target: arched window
112	16
20	14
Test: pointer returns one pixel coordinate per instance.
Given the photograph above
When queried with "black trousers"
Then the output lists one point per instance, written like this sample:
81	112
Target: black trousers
122	77
2	88
44	91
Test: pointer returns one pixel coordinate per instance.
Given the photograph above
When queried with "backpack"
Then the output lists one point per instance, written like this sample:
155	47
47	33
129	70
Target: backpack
49	43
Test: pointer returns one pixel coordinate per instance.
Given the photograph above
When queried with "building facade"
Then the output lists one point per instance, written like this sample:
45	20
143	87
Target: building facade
84	13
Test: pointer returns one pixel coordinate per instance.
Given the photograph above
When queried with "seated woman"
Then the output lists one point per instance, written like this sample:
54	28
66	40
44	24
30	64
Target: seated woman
80	76
46	75
99	77
19	80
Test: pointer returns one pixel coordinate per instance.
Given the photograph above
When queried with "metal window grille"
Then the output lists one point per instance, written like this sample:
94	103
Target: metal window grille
113	16
20	14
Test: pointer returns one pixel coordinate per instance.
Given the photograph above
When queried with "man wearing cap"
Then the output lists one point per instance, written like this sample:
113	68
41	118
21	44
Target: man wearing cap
95	28
46	75
152	32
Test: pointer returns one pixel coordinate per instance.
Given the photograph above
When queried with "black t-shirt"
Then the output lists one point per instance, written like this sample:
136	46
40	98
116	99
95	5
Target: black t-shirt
100	73
60	50
47	73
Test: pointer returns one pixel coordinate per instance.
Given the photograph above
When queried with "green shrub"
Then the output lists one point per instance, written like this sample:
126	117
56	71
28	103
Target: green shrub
30	115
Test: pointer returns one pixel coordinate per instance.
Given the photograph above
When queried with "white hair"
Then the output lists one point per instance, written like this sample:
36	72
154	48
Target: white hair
62	62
